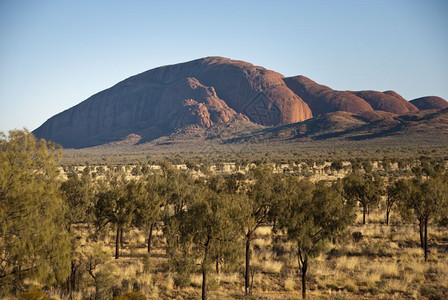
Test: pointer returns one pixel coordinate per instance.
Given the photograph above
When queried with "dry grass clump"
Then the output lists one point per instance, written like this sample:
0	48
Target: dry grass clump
289	284
196	280
264	231
271	266
261	243
229	278
349	264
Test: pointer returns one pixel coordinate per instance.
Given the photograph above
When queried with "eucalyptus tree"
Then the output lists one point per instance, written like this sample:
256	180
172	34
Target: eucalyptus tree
203	220
177	190
78	192
149	203
175	187
34	242
259	202
207	226
424	200
365	189
232	185
393	191
312	215
116	204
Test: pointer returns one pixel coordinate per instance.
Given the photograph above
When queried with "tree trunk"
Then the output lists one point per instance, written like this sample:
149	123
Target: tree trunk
72	280
364	210
304	269
97	290
420	227
117	243
246	277
387	215
204	272
426	239
303	264
150	237
121	238
204	283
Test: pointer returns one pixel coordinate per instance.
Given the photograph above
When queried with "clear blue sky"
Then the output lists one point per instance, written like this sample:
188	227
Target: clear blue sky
55	54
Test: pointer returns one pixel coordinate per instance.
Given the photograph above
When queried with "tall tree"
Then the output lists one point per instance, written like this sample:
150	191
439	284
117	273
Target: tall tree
209	224
258	205
365	189
425	200
312	216
34	242
178	190
392	197
149	203
116	205
78	195
78	192
233	186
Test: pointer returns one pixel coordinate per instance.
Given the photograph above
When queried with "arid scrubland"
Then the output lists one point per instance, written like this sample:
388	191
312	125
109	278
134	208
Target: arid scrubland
385	263
243	230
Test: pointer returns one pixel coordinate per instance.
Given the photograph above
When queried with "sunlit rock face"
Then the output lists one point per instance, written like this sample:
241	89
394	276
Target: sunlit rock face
202	92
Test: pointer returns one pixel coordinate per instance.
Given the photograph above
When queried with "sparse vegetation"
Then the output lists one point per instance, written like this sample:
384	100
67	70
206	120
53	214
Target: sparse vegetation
300	215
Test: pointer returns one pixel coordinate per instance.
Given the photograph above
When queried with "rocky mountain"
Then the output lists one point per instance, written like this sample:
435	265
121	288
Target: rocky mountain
388	101
322	99
212	91
430	102
154	103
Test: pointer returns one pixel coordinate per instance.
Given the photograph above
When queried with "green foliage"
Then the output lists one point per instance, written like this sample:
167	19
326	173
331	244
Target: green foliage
259	207
33	240
149	201
363	188
312	215
206	228
95	261
424	200
78	193
116	204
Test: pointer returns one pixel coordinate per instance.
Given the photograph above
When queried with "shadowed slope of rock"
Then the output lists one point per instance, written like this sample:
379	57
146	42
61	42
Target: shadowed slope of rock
430	102
388	101
200	92
429	125
322	99
133	105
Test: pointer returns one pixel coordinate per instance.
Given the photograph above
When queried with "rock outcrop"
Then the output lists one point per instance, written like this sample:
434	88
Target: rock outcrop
322	99
430	102
388	101
214	91
201	92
